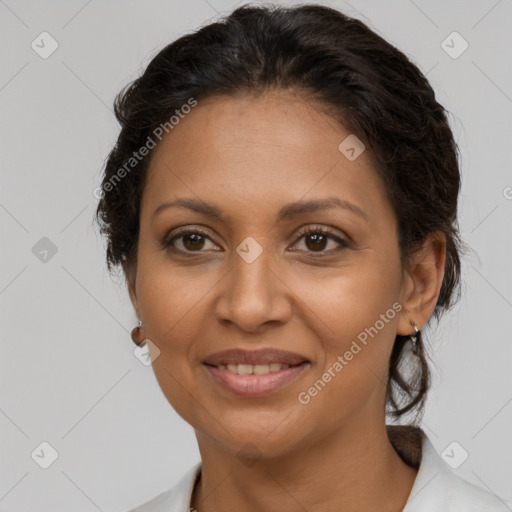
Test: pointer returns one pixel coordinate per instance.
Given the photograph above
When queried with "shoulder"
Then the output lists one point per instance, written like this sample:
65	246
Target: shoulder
176	499
437	487
463	495
454	493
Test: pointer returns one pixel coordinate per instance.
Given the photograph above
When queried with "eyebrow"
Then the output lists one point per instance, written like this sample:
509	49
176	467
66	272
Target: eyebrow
286	212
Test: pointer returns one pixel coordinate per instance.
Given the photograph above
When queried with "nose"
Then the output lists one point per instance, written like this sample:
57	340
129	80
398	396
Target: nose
254	293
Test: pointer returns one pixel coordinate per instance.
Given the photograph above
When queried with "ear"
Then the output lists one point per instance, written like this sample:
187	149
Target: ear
422	283
130	275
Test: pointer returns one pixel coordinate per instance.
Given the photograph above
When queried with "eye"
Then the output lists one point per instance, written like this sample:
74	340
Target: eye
316	238
192	240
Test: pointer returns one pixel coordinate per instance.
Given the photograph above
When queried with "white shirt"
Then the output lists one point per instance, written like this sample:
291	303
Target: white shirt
435	489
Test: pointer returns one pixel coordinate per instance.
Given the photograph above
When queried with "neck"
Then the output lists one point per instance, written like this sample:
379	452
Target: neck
355	469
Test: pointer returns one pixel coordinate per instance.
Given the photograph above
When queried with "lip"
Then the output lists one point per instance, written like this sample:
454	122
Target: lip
261	356
253	386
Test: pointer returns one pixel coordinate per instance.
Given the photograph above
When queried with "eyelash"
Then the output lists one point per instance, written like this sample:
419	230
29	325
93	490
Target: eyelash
168	242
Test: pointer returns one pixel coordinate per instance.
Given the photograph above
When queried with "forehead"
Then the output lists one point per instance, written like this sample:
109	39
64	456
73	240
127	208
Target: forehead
248	150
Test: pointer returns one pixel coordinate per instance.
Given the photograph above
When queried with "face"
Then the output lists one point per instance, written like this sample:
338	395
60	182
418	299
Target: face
252	278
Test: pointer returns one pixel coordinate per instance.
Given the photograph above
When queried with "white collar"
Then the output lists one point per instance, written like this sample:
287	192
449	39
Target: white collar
437	487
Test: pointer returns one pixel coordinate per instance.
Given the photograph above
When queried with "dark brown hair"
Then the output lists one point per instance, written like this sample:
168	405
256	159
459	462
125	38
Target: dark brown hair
365	83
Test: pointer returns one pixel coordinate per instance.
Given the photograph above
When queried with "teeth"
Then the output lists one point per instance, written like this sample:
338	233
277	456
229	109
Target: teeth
257	369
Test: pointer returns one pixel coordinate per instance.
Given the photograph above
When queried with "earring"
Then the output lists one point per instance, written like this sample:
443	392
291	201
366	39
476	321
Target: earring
135	335
415	338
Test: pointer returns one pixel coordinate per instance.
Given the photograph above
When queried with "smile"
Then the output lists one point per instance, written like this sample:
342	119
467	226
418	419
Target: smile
253	381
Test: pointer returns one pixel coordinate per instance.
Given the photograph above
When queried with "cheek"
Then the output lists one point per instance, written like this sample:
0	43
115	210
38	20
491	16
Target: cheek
357	333
355	314
170	300
348	300
170	305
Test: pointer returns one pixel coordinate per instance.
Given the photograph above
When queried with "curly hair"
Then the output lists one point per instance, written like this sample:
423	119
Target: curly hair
363	82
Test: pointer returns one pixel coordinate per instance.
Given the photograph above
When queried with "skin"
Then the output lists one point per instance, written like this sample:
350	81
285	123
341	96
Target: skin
250	156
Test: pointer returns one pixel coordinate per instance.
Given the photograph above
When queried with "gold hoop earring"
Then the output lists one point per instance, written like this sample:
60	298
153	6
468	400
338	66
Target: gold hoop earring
135	335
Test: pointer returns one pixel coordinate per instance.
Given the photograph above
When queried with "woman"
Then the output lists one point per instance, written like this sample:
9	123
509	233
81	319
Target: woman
282	199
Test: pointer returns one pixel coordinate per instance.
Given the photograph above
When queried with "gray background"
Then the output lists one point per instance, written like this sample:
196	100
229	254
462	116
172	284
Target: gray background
68	373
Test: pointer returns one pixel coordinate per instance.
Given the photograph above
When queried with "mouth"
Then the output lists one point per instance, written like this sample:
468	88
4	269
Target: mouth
252	381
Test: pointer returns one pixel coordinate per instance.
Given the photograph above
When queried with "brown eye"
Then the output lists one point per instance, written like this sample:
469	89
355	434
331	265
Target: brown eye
317	239
193	241
190	240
